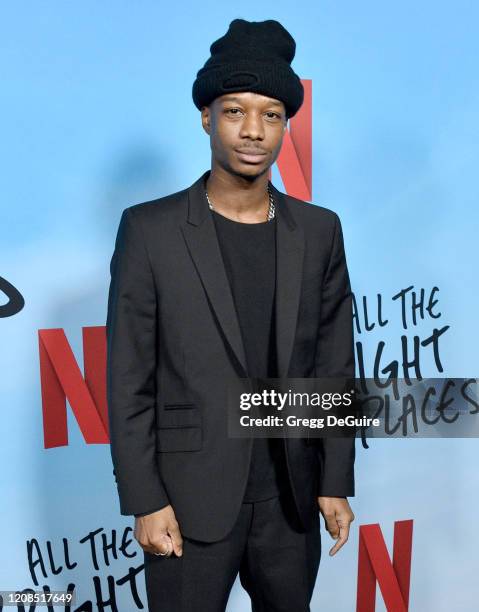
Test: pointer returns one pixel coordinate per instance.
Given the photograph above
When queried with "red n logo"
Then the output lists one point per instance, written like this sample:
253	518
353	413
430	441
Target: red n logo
61	380
374	564
295	159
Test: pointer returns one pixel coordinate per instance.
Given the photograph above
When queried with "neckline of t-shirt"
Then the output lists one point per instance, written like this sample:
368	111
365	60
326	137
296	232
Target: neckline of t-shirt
240	223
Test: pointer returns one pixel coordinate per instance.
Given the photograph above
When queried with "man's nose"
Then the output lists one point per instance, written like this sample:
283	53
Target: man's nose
252	126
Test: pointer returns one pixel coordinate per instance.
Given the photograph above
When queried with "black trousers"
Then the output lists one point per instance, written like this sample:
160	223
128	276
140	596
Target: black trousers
276	561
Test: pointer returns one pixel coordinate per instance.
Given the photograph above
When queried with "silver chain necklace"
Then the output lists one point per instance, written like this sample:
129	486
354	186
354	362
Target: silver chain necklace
271	209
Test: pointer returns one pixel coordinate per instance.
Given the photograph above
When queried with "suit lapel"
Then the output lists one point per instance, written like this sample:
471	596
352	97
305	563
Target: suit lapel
289	272
200	235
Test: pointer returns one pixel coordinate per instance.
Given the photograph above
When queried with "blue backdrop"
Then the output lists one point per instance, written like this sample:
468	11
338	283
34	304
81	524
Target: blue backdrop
97	115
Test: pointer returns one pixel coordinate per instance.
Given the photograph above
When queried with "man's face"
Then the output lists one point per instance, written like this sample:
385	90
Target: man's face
246	132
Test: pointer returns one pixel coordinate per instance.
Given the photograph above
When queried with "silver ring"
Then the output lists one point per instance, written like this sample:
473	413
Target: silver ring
161	554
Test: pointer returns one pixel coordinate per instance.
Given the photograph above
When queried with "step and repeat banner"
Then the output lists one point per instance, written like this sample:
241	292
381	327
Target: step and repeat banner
97	115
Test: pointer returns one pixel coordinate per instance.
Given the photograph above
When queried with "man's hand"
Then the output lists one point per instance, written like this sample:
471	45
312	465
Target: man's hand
159	532
338	516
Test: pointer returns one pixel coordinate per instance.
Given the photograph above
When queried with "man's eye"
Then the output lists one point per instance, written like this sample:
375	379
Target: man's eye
272	113
231	110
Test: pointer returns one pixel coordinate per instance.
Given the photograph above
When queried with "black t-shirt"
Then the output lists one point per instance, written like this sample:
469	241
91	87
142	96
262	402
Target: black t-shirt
249	255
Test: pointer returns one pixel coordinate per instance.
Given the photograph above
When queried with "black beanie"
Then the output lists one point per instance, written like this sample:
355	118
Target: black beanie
252	56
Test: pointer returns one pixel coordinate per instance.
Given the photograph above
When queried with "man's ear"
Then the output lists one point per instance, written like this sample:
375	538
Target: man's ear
206	119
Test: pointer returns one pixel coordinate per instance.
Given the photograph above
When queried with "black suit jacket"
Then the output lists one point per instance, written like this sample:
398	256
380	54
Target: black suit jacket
173	341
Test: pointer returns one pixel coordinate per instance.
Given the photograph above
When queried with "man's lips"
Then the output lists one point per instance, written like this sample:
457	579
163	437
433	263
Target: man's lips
251	155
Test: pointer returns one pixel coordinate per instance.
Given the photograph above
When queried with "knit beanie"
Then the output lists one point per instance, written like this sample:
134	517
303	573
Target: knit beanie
252	56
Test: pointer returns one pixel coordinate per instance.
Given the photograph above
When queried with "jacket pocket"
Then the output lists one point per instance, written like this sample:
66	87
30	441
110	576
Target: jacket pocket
179	429
179	406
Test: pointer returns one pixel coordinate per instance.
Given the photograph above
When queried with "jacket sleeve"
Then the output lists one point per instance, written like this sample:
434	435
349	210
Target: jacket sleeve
335	358
131	365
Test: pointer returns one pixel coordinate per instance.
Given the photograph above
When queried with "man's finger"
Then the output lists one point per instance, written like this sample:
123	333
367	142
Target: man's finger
176	539
170	548
162	544
332	526
342	539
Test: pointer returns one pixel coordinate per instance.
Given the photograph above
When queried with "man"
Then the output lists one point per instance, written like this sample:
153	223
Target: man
229	278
